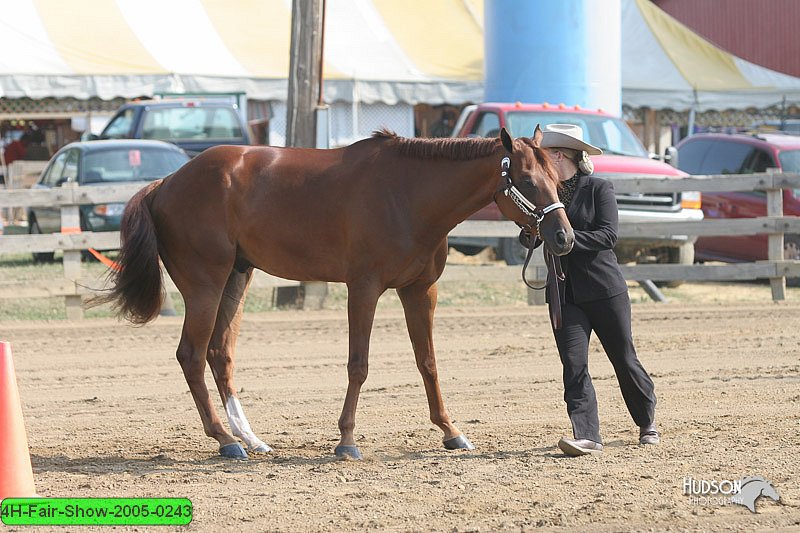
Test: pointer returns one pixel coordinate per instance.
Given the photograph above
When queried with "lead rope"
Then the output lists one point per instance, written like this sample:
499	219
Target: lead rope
554	283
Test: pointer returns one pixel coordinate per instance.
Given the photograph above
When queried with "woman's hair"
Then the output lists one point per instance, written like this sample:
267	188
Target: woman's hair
580	158
572	155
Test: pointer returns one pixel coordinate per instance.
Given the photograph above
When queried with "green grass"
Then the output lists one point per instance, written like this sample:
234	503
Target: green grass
21	269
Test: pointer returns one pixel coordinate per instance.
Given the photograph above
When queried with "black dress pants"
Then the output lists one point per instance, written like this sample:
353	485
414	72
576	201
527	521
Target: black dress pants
611	321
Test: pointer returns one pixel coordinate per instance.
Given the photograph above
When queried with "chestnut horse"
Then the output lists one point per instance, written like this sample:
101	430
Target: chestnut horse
374	215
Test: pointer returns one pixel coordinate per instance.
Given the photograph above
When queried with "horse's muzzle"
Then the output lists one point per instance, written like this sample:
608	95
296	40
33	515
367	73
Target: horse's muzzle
562	242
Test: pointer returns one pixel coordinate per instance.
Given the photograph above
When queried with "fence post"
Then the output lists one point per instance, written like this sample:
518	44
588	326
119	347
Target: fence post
71	223
775	240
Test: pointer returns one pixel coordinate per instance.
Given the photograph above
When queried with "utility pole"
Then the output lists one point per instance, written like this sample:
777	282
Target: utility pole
306	114
304	73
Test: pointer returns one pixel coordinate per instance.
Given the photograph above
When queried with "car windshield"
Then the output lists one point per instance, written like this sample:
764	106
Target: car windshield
193	123
131	164
611	135
790	162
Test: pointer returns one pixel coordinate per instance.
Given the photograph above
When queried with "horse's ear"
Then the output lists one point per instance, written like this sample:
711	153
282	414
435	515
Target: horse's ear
537	136
508	143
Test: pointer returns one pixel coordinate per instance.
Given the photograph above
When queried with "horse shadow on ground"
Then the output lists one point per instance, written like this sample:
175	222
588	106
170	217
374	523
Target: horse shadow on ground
104	465
115	464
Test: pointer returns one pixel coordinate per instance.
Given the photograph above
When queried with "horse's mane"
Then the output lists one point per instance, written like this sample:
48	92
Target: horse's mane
445	148
459	149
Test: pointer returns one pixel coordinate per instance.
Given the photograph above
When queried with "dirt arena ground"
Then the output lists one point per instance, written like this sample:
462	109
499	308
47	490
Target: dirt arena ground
108	414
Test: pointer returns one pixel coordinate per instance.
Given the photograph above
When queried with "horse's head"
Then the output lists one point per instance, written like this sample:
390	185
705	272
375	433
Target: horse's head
752	488
528	193
759	486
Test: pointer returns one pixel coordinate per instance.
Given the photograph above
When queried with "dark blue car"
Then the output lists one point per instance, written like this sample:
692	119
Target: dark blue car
192	124
101	163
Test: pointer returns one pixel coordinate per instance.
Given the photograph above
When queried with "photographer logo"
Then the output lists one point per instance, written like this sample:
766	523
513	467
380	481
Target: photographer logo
745	491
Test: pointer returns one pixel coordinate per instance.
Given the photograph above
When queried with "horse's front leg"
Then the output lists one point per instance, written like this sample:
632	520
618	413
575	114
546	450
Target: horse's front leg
221	352
419	303
361	302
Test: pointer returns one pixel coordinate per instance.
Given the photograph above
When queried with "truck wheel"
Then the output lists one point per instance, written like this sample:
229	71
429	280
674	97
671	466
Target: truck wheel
680	255
791	251
512	252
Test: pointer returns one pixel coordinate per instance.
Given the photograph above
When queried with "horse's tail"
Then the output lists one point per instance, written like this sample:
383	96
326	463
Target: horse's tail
137	289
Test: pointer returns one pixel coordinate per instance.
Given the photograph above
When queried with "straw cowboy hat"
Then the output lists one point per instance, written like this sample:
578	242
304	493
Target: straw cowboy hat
567	136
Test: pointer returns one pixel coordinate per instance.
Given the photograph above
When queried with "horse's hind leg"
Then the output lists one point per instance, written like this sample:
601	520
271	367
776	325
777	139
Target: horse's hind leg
198	325
419	303
221	352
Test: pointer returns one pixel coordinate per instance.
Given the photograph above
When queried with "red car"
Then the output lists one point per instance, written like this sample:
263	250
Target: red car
719	153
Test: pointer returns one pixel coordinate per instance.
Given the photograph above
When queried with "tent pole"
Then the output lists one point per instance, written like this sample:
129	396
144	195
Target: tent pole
783	113
692	113
354	109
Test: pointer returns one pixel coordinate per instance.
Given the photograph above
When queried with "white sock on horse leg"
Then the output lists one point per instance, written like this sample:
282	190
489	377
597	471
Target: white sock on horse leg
239	424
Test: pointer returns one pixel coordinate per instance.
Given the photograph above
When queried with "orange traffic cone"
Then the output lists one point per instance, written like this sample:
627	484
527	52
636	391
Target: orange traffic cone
16	475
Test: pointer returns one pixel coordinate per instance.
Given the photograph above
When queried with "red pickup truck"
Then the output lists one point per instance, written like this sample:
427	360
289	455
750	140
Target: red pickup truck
623	154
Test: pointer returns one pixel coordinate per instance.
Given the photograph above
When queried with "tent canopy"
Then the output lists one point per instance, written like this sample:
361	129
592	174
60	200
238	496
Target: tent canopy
375	51
666	65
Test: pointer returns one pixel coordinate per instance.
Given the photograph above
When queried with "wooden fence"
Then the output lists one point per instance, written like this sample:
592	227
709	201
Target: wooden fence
20	174
74	286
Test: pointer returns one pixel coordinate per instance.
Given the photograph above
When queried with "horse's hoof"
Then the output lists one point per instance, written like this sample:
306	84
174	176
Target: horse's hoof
261	448
459	443
348	452
233	451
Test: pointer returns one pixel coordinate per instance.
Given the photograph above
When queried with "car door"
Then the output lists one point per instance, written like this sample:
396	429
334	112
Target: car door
726	157
750	204
63	168
121	126
691	154
487	125
44	217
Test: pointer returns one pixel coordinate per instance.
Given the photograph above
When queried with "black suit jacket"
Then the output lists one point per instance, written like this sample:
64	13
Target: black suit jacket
591	267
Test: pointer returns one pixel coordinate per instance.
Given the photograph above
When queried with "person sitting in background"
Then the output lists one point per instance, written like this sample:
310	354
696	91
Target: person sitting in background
12	152
36	150
16	149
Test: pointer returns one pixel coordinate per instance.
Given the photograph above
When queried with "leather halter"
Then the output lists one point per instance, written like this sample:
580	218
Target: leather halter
525	206
535	215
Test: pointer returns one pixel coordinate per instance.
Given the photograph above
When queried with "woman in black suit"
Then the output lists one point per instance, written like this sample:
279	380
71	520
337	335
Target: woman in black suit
595	298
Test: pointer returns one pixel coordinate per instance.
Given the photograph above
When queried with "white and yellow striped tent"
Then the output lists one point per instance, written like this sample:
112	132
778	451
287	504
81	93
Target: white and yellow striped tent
375	50
666	65
384	51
